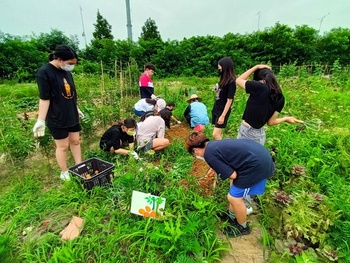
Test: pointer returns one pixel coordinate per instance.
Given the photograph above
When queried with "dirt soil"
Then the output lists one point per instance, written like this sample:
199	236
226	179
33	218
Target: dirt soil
244	249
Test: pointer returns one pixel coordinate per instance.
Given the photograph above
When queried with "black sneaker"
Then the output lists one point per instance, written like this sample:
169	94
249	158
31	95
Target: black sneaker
225	217
237	230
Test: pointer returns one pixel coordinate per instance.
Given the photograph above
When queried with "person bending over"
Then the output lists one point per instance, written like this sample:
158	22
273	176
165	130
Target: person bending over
245	163
119	135
150	133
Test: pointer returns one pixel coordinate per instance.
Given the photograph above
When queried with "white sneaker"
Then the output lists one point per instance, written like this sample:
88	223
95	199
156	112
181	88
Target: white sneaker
65	176
249	210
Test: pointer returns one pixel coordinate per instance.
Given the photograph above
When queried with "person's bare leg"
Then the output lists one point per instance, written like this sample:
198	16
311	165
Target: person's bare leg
61	153
74	143
237	206
217	133
160	144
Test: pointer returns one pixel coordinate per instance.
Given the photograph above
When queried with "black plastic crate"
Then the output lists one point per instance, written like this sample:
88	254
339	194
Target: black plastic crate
93	172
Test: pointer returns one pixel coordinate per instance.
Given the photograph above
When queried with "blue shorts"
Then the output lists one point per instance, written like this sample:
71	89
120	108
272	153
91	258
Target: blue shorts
138	112
257	189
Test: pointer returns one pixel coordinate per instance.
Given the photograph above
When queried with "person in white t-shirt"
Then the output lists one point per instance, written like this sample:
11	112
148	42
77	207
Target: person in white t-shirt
150	133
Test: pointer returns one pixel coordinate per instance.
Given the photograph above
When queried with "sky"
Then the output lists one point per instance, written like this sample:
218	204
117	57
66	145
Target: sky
175	19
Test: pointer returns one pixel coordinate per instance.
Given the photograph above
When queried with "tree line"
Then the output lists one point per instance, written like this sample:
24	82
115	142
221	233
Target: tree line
196	56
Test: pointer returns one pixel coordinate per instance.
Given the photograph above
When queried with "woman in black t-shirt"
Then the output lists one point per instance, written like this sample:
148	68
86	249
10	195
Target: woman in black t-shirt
264	104
58	108
224	96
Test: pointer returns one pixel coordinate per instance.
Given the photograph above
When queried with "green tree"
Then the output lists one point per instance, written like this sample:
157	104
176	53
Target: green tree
150	31
19	58
335	45
306	45
47	42
102	28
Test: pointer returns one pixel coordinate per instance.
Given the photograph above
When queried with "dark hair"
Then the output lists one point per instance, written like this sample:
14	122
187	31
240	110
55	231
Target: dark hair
129	123
151	101
228	74
166	115
171	104
270	79
150	66
147	114
63	52
195	140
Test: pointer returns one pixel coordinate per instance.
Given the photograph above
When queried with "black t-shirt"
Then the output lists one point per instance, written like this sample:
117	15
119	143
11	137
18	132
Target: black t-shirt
166	115
250	160
259	108
115	137
222	94
58	86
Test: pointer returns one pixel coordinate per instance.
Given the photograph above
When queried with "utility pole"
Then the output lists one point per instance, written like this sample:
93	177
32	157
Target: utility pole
258	14
128	19
82	21
321	21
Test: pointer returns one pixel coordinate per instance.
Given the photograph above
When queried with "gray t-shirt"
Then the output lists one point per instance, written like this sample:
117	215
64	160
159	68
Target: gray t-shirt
152	127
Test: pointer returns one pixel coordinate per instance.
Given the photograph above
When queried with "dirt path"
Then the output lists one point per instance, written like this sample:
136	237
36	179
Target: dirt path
244	249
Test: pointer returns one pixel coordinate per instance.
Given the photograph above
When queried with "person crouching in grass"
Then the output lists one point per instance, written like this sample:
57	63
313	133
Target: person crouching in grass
247	164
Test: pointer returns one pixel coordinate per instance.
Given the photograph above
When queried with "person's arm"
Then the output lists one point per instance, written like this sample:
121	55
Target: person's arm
242	79
175	120
187	111
43	109
224	112
160	128
232	177
122	151
274	120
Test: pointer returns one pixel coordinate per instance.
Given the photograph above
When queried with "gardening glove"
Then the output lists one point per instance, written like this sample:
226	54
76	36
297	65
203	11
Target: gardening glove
135	155
39	128
80	113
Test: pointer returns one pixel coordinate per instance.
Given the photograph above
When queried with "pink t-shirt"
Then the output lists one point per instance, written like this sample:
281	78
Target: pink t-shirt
145	81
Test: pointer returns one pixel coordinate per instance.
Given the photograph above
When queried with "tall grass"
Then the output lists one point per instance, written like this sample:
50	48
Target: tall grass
35	201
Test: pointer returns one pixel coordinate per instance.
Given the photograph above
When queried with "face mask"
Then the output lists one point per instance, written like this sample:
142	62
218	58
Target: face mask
130	133
200	158
219	72
67	67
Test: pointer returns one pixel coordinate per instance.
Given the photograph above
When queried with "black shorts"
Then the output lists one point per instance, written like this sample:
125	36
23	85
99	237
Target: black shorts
62	133
215	117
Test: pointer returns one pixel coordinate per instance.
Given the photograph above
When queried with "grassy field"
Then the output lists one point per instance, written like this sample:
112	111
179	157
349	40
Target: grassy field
304	213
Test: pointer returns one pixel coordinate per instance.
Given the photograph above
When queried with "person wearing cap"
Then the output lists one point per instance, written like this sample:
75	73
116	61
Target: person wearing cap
150	133
58	109
145	81
196	112
247	164
167	114
119	134
225	93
